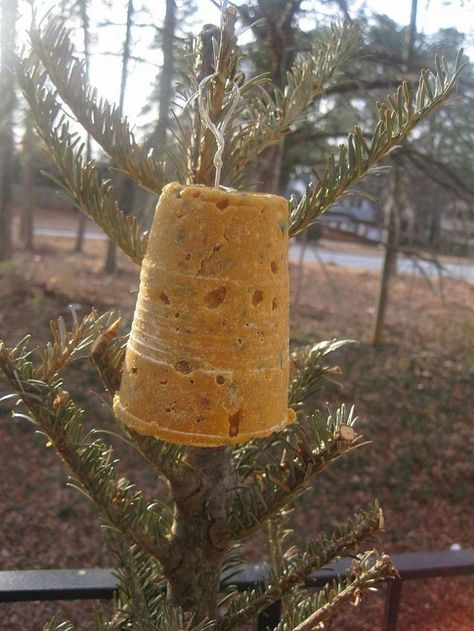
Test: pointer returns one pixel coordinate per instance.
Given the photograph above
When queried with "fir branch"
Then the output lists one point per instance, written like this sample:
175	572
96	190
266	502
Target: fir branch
297	567
89	459
358	157
58	624
103	623
264	120
67	345
103	121
160	617
78	178
174	619
108	354
277	469
142	586
260	119
309	369
189	132
189	128
220	86
310	614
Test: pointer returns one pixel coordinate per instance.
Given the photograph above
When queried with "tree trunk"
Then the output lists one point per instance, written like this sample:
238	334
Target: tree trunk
7	105
269	176
123	185
410	49
279	35
81	226
158	137
390	258
126	54
26	216
195	585
394	209
81	230
110	264
199	534
298	282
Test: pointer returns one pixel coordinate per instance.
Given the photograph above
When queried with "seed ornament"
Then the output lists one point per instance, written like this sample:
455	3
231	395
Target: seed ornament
207	359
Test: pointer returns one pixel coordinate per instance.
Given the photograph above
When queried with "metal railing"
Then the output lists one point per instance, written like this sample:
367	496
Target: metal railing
33	585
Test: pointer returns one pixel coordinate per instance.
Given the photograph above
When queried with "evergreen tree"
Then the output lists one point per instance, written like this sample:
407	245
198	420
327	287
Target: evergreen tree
169	556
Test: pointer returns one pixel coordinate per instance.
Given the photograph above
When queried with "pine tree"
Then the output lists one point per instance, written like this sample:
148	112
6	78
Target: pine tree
169	556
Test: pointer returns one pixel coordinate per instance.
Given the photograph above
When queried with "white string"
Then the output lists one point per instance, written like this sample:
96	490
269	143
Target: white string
217	130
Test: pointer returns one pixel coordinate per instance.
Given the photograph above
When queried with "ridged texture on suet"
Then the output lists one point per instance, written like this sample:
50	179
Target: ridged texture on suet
207	359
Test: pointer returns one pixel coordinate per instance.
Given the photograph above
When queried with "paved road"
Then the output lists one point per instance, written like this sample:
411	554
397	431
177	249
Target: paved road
316	253
374	261
66	232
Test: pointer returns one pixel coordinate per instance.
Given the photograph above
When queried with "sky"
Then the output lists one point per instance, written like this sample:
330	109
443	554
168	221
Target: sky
432	15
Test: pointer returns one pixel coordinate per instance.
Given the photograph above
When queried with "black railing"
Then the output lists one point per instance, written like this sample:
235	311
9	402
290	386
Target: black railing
29	585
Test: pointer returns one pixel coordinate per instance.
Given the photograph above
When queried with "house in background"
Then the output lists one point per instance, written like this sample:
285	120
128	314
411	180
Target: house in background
359	218
355	218
457	229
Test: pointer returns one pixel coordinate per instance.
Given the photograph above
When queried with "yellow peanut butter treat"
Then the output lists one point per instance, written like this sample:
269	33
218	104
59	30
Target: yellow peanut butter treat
207	359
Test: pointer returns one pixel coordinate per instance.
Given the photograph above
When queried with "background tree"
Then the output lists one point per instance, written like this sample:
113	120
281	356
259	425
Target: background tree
29	149
81	9
8	14
275	28
124	185
383	62
166	39
167	75
395	203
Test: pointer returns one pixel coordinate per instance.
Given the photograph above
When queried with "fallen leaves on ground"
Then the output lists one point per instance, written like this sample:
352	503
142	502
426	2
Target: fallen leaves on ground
413	396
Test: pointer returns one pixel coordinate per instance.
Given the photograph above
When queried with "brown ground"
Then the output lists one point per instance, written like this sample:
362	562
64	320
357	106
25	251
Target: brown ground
413	396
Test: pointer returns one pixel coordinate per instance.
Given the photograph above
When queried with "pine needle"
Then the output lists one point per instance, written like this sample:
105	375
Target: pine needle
358	158
102	120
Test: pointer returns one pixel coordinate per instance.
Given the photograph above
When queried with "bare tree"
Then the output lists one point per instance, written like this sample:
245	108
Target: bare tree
124	184
393	209
277	29
28	185
8	13
83	8
158	138
392	214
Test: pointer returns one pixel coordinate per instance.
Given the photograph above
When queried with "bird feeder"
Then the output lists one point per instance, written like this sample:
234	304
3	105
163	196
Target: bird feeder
207	359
